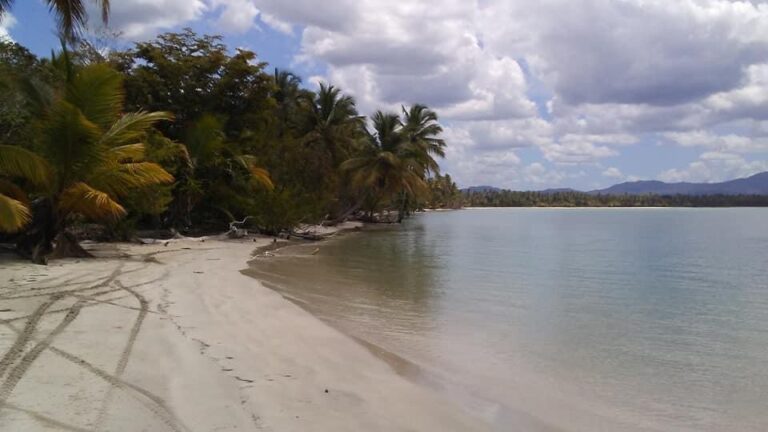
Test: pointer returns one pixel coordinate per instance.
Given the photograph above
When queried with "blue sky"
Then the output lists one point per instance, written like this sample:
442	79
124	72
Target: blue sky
552	94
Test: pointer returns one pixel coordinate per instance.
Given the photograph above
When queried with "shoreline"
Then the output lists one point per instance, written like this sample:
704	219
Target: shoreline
171	336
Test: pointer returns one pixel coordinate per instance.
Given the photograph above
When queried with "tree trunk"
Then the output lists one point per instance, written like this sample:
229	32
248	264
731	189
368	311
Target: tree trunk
402	209
67	246
46	237
36	243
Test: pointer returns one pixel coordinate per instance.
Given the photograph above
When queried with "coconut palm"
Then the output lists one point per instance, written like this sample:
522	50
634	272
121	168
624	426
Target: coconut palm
386	167
88	156
71	15
421	130
334	124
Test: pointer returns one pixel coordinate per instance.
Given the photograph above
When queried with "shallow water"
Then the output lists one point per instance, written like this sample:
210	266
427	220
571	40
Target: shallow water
560	319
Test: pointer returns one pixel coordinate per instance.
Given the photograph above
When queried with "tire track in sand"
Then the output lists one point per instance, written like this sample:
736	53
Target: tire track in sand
18	371
25	335
126	354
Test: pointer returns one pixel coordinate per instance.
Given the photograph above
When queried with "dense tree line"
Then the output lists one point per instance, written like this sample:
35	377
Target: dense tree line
507	198
181	133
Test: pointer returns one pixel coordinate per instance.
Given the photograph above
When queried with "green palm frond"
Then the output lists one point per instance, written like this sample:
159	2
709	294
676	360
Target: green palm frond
204	139
118	180
259	176
83	199
132	152
12	190
70	142
13	214
97	91
18	162
131	127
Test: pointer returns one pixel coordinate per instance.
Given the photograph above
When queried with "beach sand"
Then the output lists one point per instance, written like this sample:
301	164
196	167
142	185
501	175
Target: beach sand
172	337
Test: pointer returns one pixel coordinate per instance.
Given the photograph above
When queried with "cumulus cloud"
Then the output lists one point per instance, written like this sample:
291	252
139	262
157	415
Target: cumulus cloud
715	167
576	82
722	143
236	16
7	21
141	19
613	172
654	52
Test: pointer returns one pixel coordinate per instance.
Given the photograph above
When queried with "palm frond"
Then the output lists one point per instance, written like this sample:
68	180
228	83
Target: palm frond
131	127
259	175
70	15
129	152
97	90
70	142
18	162
204	138
13	214
118	180
12	190
83	199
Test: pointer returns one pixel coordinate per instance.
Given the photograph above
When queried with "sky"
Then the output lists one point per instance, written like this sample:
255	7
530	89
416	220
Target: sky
532	94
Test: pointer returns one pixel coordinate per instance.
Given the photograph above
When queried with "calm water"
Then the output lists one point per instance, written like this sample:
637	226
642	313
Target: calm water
561	319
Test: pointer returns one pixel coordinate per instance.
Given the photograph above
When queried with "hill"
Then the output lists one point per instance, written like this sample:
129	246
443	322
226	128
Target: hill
753	185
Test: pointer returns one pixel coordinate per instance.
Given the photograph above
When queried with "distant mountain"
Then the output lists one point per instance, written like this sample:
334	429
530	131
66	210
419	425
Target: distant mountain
473	189
754	185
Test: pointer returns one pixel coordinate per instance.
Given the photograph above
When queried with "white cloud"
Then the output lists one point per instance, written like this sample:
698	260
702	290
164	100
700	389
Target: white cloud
237	16
575	81
613	172
715	167
723	143
142	19
7	21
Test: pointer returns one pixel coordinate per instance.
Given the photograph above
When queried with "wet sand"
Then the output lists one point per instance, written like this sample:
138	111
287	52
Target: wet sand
172	337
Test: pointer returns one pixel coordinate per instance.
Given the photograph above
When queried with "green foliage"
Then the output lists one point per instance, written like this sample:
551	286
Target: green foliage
443	193
244	142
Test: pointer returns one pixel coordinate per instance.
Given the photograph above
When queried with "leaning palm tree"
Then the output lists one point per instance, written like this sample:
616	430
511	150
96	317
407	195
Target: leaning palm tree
386	167
71	15
88	156
422	130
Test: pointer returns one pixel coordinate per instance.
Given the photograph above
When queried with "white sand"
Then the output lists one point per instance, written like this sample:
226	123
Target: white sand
174	338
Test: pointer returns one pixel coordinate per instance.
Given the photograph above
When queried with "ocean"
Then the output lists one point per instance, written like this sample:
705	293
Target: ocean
558	319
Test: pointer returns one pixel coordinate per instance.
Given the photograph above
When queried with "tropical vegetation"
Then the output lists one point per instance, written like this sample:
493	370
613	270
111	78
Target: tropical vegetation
180	134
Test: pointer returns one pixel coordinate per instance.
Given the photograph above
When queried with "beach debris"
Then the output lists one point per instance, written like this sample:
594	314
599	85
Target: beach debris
326	390
236	230
314	252
198	272
243	379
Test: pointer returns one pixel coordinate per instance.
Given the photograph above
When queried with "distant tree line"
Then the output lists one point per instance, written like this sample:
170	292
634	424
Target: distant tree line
507	198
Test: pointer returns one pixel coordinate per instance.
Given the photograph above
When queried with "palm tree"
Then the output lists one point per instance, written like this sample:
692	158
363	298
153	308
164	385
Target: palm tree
422	130
386	167
334	124
89	155
71	15
214	171
334	130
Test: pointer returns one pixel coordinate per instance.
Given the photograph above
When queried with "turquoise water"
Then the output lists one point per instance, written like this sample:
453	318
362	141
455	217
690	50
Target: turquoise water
560	319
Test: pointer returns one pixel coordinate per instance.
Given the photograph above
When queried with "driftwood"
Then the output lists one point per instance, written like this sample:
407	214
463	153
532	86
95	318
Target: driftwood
234	231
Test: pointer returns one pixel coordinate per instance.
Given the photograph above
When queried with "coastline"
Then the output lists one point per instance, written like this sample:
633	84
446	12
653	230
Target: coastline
171	336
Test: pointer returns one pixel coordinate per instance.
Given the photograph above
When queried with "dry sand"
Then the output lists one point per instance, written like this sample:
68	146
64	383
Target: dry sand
174	338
